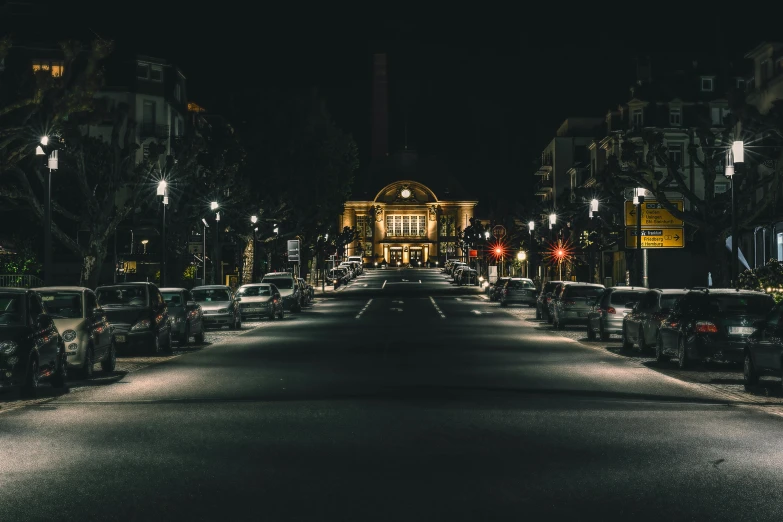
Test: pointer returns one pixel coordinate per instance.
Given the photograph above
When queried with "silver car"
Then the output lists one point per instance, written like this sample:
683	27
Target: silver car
574	302
260	299
288	288
606	315
86	332
518	290
219	306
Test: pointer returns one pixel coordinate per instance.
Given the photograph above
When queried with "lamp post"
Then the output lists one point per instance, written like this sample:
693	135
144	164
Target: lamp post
593	210
254	272
531	227
162	192
52	164
214	206
521	257
204	253
638	200
736	154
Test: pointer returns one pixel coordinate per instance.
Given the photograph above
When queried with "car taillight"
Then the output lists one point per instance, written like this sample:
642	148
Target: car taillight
611	310
705	327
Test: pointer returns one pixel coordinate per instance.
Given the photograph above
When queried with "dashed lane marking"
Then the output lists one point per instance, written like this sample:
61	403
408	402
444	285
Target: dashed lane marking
437	308
363	309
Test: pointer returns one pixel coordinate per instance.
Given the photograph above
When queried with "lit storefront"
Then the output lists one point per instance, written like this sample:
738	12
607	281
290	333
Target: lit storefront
406	223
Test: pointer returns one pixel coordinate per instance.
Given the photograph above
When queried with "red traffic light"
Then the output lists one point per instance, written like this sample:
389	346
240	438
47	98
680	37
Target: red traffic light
498	251
560	252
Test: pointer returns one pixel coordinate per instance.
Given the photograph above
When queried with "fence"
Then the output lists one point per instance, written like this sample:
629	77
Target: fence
20	281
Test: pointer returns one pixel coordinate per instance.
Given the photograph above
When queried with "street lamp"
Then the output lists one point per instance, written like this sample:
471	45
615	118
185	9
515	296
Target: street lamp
144	242
254	272
521	257
162	191
736	154
204	253
552	220
52	164
593	207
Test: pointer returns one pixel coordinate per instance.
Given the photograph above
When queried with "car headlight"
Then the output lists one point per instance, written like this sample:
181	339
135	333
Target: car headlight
144	324
223	311
69	335
8	347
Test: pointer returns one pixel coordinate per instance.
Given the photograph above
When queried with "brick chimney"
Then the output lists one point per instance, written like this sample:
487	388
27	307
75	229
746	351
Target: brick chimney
380	108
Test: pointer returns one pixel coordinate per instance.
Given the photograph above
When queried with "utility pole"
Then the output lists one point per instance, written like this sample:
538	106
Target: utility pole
639	263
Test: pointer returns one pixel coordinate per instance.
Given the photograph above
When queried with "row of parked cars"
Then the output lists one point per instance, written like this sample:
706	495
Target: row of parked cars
461	273
346	271
46	332
684	325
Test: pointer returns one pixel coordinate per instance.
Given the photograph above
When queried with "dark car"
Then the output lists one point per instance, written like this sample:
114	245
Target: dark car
139	316
642	324
496	289
544	299
764	348
712	325
184	314
30	345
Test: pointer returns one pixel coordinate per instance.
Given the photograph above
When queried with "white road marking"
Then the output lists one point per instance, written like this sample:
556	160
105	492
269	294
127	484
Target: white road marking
437	308
363	309
399	301
384	284
396	309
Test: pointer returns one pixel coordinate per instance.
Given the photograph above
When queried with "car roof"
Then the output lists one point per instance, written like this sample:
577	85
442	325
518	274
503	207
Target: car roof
279	274
672	291
724	291
574	283
62	288
252	285
211	287
13	290
173	289
633	288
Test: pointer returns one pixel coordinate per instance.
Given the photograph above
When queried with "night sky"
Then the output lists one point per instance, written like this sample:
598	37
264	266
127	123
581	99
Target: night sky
484	92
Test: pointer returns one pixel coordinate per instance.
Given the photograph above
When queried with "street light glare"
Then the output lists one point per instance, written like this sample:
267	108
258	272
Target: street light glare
521	256
162	187
214	205
254	219
39	151
44	140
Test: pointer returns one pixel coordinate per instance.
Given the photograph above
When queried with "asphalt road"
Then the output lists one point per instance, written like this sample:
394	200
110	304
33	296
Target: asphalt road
399	397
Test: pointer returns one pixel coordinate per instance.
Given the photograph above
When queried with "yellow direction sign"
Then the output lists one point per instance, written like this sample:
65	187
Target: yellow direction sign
656	238
653	214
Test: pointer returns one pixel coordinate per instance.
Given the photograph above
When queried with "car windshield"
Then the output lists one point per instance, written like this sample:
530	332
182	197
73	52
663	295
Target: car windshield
62	304
120	296
521	284
172	298
668	301
255	291
284	283
624	297
583	291
11	310
207	295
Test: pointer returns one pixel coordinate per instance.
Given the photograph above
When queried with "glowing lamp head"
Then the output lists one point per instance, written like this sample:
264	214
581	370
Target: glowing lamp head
254	219
531	226
560	252
594	205
738	151
521	256
44	140
552	219
162	187
39	151
214	205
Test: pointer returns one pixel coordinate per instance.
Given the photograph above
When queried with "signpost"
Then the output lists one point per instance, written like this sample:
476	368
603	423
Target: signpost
655	238
293	250
653	214
499	231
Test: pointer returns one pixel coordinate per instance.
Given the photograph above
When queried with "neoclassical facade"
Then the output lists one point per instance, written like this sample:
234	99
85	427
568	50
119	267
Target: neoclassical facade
405	223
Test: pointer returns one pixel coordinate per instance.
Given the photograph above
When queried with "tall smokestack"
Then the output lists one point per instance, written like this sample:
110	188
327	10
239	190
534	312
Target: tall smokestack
380	108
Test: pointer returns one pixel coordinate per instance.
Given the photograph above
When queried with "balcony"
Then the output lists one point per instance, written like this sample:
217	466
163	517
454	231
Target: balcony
152	130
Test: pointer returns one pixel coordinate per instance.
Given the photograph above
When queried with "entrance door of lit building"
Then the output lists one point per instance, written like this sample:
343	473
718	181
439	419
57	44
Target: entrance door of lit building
415	256
395	256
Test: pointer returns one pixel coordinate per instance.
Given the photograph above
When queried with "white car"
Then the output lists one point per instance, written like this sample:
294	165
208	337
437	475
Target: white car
82	323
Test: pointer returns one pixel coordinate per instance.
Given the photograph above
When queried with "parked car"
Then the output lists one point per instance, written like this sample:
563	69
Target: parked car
708	324
139	316
496	289
305	289
185	314
764	348
219	306
518	290
606	315
260	299
544	299
86	331
31	348
468	276
288	287
574	302
643	322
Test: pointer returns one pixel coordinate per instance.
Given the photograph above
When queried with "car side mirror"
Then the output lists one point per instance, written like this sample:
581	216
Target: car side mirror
43	321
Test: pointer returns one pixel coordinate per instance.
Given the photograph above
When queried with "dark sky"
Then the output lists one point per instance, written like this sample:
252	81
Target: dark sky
486	91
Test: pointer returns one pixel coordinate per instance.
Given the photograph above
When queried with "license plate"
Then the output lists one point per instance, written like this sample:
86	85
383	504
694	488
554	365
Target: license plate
741	330
254	309
119	338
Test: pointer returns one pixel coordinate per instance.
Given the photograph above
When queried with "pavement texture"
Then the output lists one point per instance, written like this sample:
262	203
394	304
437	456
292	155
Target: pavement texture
401	397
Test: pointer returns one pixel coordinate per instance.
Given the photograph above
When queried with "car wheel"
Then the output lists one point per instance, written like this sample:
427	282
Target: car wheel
30	386
749	375
642	346
682	355
626	344
89	363
659	355
61	374
185	339
109	361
